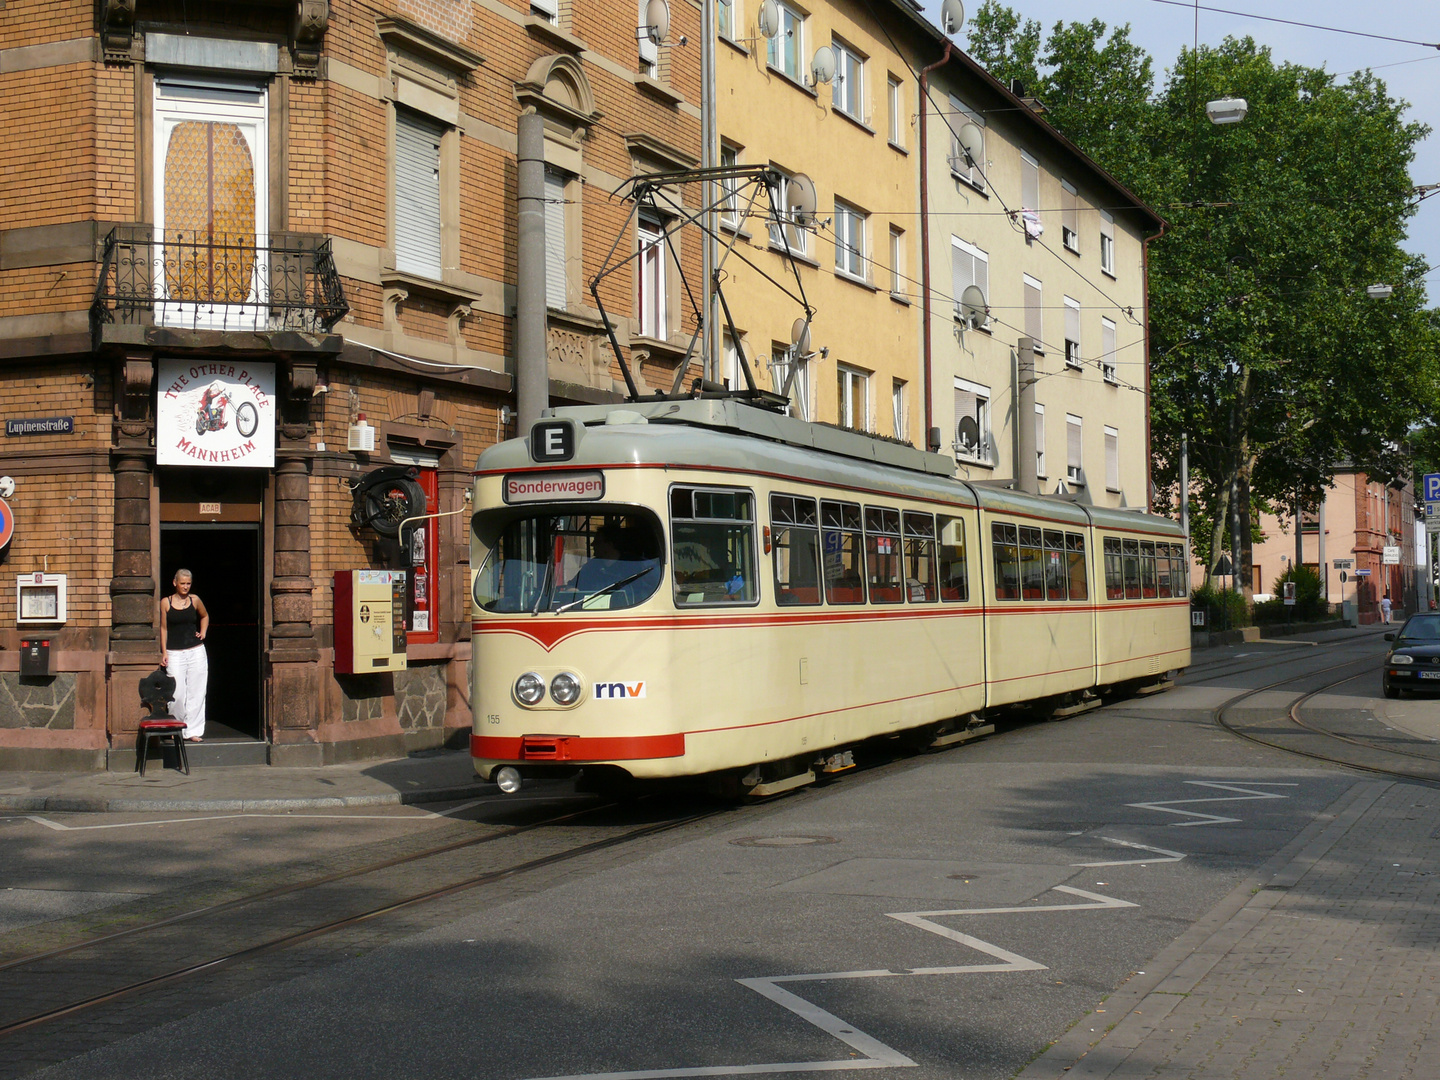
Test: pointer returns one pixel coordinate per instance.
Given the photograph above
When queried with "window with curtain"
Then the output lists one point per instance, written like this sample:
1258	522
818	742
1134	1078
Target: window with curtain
849	241
847	89
785	52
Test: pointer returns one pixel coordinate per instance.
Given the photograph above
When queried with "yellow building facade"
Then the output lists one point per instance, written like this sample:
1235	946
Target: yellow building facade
853	136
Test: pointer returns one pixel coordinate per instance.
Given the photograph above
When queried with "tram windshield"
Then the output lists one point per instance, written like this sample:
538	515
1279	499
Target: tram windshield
572	562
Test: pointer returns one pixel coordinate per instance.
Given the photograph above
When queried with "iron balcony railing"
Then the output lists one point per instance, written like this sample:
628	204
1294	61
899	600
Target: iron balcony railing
194	282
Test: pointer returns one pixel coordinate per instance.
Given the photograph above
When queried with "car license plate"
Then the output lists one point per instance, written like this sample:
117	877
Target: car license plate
1428	674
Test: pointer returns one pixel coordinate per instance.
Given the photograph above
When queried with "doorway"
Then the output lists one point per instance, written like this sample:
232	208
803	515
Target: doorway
224	561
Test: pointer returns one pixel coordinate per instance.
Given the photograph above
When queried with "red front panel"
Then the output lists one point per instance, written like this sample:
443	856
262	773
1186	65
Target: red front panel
576	748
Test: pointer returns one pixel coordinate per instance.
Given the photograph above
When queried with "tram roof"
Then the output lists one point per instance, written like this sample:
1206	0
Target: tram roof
729	434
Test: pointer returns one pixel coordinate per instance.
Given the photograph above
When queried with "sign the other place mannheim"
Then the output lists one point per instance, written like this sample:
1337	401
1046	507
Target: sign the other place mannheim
215	413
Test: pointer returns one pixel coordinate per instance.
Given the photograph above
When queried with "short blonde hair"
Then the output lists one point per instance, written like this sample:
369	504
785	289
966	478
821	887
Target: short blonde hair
182	572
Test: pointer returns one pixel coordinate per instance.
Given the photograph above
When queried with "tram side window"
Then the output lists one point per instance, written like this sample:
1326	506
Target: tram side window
1114	581
1057	584
1007	561
882	555
954	570
843	545
920	558
1162	569
1131	550
1075	556
1032	564
1147	569
796	549
1179	572
713	536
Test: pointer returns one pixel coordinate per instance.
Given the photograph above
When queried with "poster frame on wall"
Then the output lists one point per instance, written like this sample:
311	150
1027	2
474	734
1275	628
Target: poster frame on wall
215	413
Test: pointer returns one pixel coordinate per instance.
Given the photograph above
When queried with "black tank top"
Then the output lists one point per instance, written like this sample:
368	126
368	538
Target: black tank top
182	627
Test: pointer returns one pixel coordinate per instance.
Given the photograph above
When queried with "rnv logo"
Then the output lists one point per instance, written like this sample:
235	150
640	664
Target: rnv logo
613	690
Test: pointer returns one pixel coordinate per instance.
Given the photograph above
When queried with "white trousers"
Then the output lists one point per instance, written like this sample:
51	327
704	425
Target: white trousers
191	672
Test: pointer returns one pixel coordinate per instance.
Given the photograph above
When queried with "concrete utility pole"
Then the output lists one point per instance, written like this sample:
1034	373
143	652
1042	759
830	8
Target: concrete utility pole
532	377
1027	466
709	337
1185	504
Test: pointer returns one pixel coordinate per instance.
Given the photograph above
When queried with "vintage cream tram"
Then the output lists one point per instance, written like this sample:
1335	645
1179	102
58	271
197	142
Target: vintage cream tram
703	587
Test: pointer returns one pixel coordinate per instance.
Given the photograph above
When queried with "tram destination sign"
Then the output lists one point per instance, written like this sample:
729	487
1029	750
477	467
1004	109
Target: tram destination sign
41	425
554	487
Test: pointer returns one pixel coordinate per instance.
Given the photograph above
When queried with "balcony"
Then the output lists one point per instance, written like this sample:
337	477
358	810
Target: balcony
189	290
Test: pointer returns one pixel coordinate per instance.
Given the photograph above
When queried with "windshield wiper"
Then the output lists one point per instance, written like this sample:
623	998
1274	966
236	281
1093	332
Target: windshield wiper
601	592
544	583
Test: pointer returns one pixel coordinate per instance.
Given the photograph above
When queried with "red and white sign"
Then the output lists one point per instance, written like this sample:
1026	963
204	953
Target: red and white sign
554	487
215	412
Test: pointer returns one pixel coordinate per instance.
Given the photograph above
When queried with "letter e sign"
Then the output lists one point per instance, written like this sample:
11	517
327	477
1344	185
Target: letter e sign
552	440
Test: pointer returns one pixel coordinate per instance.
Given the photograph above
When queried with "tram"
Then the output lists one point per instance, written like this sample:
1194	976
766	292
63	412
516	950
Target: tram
702	587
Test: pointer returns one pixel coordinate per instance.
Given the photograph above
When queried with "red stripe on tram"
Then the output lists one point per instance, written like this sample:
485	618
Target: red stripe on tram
576	747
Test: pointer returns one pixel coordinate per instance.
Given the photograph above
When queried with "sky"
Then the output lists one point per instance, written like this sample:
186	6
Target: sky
1162	29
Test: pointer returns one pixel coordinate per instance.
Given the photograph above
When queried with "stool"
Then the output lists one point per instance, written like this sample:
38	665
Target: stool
156	691
160	728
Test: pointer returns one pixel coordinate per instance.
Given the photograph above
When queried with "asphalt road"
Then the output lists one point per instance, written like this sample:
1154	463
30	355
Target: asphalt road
953	913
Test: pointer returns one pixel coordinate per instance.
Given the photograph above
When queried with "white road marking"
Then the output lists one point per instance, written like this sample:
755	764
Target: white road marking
877	1054
1246	795
60	827
1170	856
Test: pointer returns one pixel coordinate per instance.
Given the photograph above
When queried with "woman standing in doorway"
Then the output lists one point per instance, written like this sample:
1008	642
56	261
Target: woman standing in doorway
183	622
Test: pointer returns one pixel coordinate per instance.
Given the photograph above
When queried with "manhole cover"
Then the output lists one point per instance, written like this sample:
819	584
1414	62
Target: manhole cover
962	877
782	841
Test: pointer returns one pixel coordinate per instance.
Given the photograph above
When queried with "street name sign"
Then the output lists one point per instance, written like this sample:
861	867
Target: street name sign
1390	555
1344	564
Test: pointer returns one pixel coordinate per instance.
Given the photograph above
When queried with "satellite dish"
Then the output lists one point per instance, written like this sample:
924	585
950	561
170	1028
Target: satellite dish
800	337
823	66
768	18
952	17
800	200
967	433
657	21
972	143
973	311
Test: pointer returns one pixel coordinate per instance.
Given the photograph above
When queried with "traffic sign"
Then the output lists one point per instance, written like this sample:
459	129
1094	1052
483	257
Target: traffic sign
1343	577
1431	482
7	523
1363	572
1432	525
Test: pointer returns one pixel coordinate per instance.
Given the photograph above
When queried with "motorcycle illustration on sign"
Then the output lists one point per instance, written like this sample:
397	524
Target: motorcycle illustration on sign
214	402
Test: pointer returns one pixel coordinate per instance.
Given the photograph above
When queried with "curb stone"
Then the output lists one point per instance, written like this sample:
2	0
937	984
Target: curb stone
1145	1000
61	804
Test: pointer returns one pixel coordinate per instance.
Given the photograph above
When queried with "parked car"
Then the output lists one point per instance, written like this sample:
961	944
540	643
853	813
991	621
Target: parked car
1413	662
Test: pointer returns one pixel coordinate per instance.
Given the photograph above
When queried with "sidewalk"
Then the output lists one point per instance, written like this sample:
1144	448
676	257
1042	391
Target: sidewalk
431	777
1324	964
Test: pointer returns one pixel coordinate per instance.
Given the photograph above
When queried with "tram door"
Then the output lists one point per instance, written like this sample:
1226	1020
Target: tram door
225	558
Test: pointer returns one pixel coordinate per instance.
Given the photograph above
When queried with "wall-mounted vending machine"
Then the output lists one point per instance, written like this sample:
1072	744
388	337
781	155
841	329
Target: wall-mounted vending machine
369	621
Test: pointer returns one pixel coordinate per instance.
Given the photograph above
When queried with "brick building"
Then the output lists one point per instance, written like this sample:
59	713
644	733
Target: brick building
304	214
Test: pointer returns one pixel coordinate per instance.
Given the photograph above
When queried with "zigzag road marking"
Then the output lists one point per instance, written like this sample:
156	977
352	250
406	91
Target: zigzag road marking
1246	795
876	1054
1170	856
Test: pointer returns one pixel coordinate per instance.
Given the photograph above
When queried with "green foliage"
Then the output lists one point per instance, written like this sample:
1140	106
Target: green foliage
1309	605
1264	347
1226	609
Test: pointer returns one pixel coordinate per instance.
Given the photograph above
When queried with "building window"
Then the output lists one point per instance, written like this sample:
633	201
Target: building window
783	232
417	194
1030	197
1112	459
972	422
422	607
1072	332
1107	351
972	172
1107	243
898	411
1074	450
649	51
652	294
897	261
1034	312
1069	216
549	10
785	52
555	291
730	371
782	360
1040	442
895	100
847	89
727	17
849	241
968	266
729	187
854	399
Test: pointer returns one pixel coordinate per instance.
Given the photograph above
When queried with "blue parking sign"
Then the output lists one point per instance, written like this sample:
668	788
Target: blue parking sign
1432	487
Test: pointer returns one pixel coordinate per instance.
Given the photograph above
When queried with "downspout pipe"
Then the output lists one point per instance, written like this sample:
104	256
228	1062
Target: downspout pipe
532	375
925	333
1149	459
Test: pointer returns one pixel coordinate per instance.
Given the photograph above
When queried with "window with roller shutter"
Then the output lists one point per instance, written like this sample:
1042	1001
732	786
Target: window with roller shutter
555	291
417	194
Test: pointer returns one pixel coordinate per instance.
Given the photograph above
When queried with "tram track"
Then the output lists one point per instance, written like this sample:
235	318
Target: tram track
1287	730
293	915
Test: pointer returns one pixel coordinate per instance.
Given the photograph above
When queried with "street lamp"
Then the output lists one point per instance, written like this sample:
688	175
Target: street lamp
1379	292
1227	110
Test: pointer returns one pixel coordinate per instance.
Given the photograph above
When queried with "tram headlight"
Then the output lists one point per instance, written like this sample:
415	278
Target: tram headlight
529	689
1402	659
565	689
